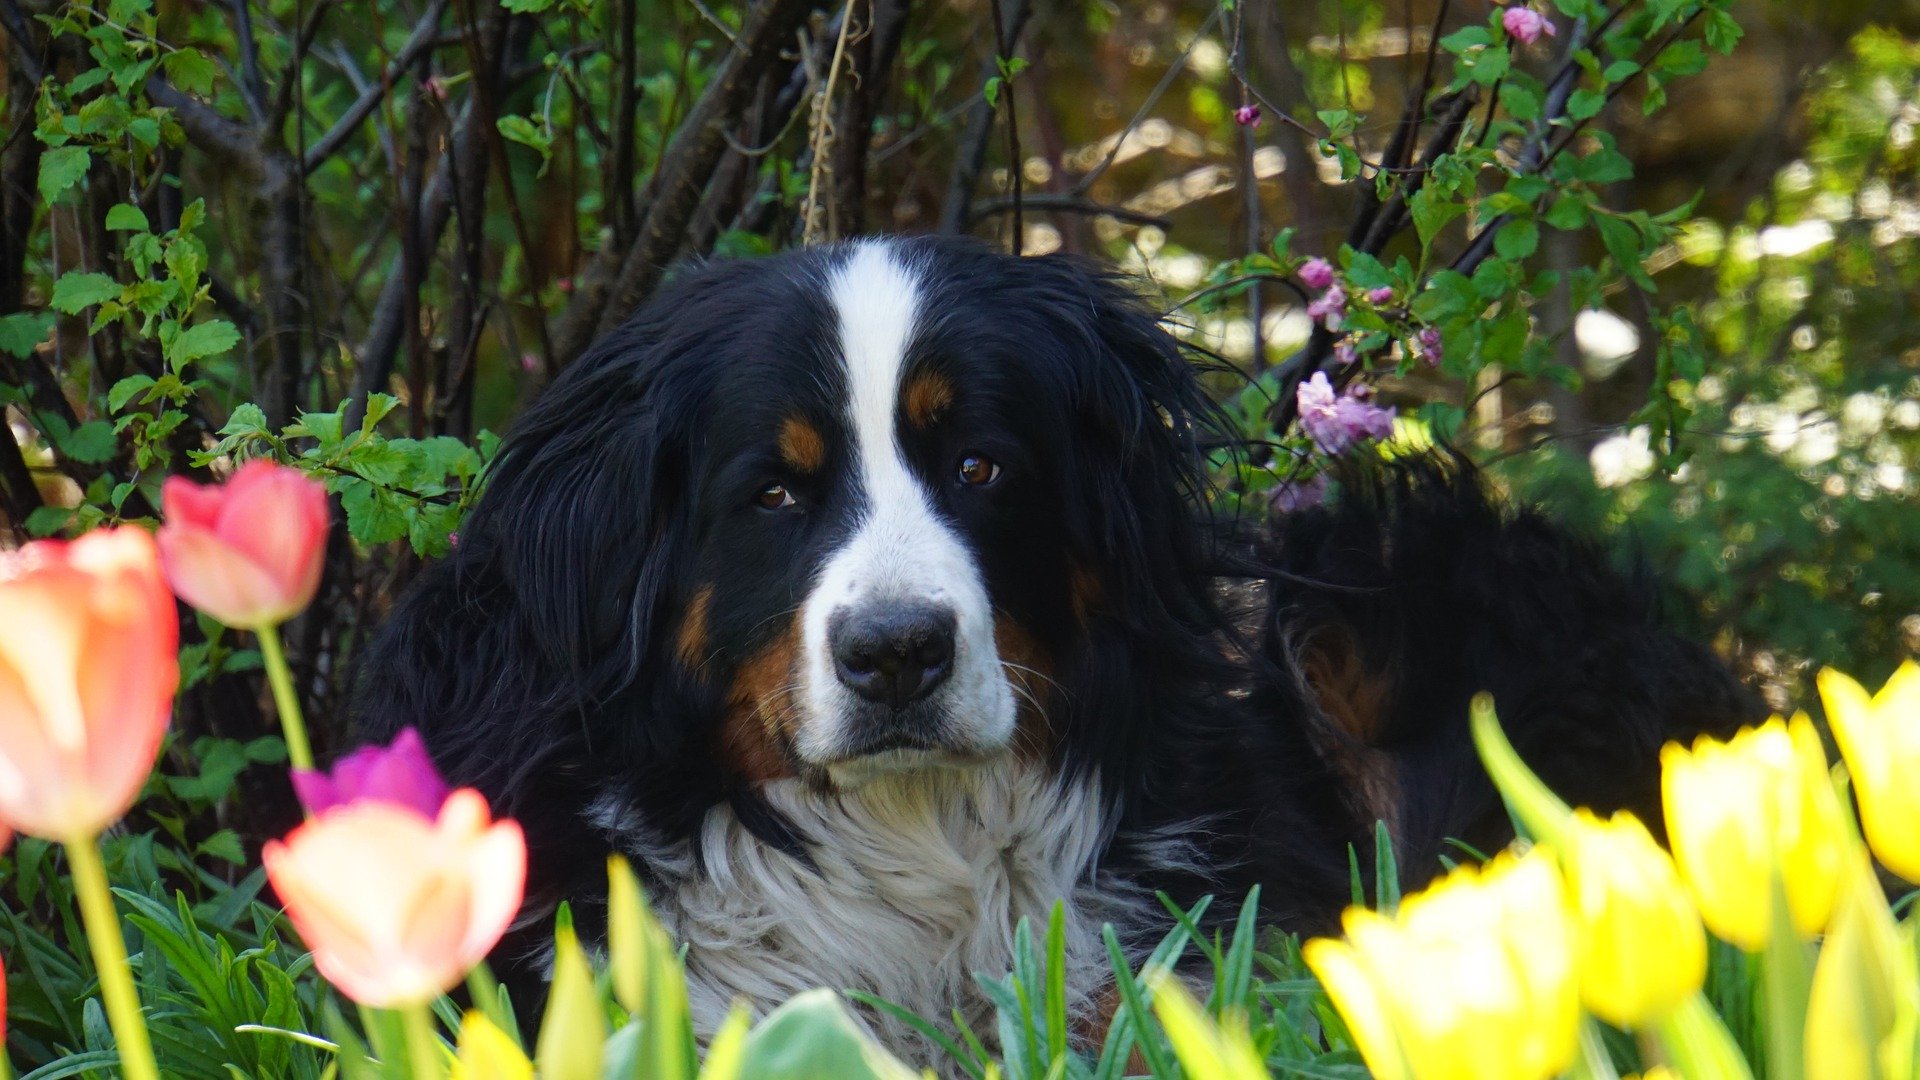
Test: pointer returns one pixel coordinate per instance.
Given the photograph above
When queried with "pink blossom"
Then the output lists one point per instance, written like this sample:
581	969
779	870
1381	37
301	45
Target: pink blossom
1336	422
1296	495
401	773
1247	116
1381	295
1345	353
1430	345
1316	273
1526	25
529	362
1330	310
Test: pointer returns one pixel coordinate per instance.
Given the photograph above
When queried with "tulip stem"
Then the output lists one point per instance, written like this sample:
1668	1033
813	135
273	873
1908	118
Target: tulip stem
423	1049
1786	980
1696	1043
292	724
110	959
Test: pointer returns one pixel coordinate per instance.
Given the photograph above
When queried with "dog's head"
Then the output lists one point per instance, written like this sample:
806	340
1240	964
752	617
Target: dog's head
846	511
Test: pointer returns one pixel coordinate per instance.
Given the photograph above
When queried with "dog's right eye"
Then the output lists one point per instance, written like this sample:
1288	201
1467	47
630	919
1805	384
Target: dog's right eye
774	497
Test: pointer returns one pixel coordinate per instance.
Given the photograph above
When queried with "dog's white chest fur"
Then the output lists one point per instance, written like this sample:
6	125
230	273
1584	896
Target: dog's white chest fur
920	881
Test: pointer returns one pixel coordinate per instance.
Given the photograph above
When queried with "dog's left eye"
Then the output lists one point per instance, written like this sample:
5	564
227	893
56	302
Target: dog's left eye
774	497
978	470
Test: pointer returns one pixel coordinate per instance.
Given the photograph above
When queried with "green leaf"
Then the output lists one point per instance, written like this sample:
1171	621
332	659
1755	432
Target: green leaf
22	331
378	406
1365	272
225	846
1431	210
1490	67
210	338
1517	239
374	516
812	1036
128	217
190	70
61	168
124	390
1620	70
92	443
524	131
1722	31
524	6
1603	166
1521	102
47	520
246	419
1582	104
1461	40
1568	212
1339	122
78	290
1623	243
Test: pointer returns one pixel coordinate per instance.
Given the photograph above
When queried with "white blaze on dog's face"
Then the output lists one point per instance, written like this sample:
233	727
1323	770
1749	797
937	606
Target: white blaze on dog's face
898	664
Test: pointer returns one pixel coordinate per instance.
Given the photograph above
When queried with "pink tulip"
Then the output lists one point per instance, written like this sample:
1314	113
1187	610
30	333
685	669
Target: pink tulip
395	905
400	773
88	667
247	552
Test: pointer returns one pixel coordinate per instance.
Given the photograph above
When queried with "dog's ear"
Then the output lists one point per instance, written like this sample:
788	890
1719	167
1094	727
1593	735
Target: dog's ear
577	516
1142	422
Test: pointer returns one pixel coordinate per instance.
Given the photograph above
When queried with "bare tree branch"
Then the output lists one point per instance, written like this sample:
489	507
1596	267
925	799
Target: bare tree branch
616	281
971	158
425	36
1066	202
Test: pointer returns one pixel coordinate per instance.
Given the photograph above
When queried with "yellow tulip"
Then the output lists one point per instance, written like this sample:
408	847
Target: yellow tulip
1880	739
1864	1000
487	1053
1473	977
1742	811
1641	950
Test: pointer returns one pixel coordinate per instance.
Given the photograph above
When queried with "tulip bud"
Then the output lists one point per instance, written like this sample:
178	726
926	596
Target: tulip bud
1880	739
487	1053
1742	812
248	552
88	667
397	906
1641	949
1472	977
400	773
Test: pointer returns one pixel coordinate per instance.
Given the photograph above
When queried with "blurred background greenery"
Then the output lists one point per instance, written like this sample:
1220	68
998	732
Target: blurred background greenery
443	200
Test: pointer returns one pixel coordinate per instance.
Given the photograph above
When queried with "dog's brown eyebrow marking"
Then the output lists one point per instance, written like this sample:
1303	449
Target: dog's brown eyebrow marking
802	446
926	396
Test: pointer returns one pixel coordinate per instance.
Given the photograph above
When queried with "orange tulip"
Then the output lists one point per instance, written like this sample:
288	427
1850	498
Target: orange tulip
247	552
395	905
88	666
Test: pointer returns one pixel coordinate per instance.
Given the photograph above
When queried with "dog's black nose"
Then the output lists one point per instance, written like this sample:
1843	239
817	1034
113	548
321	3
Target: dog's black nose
892	655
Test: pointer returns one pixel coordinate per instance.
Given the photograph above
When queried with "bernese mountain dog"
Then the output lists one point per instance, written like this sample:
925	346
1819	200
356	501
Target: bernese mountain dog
871	598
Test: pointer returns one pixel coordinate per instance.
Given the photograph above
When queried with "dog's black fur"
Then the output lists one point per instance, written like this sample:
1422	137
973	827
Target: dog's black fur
539	660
